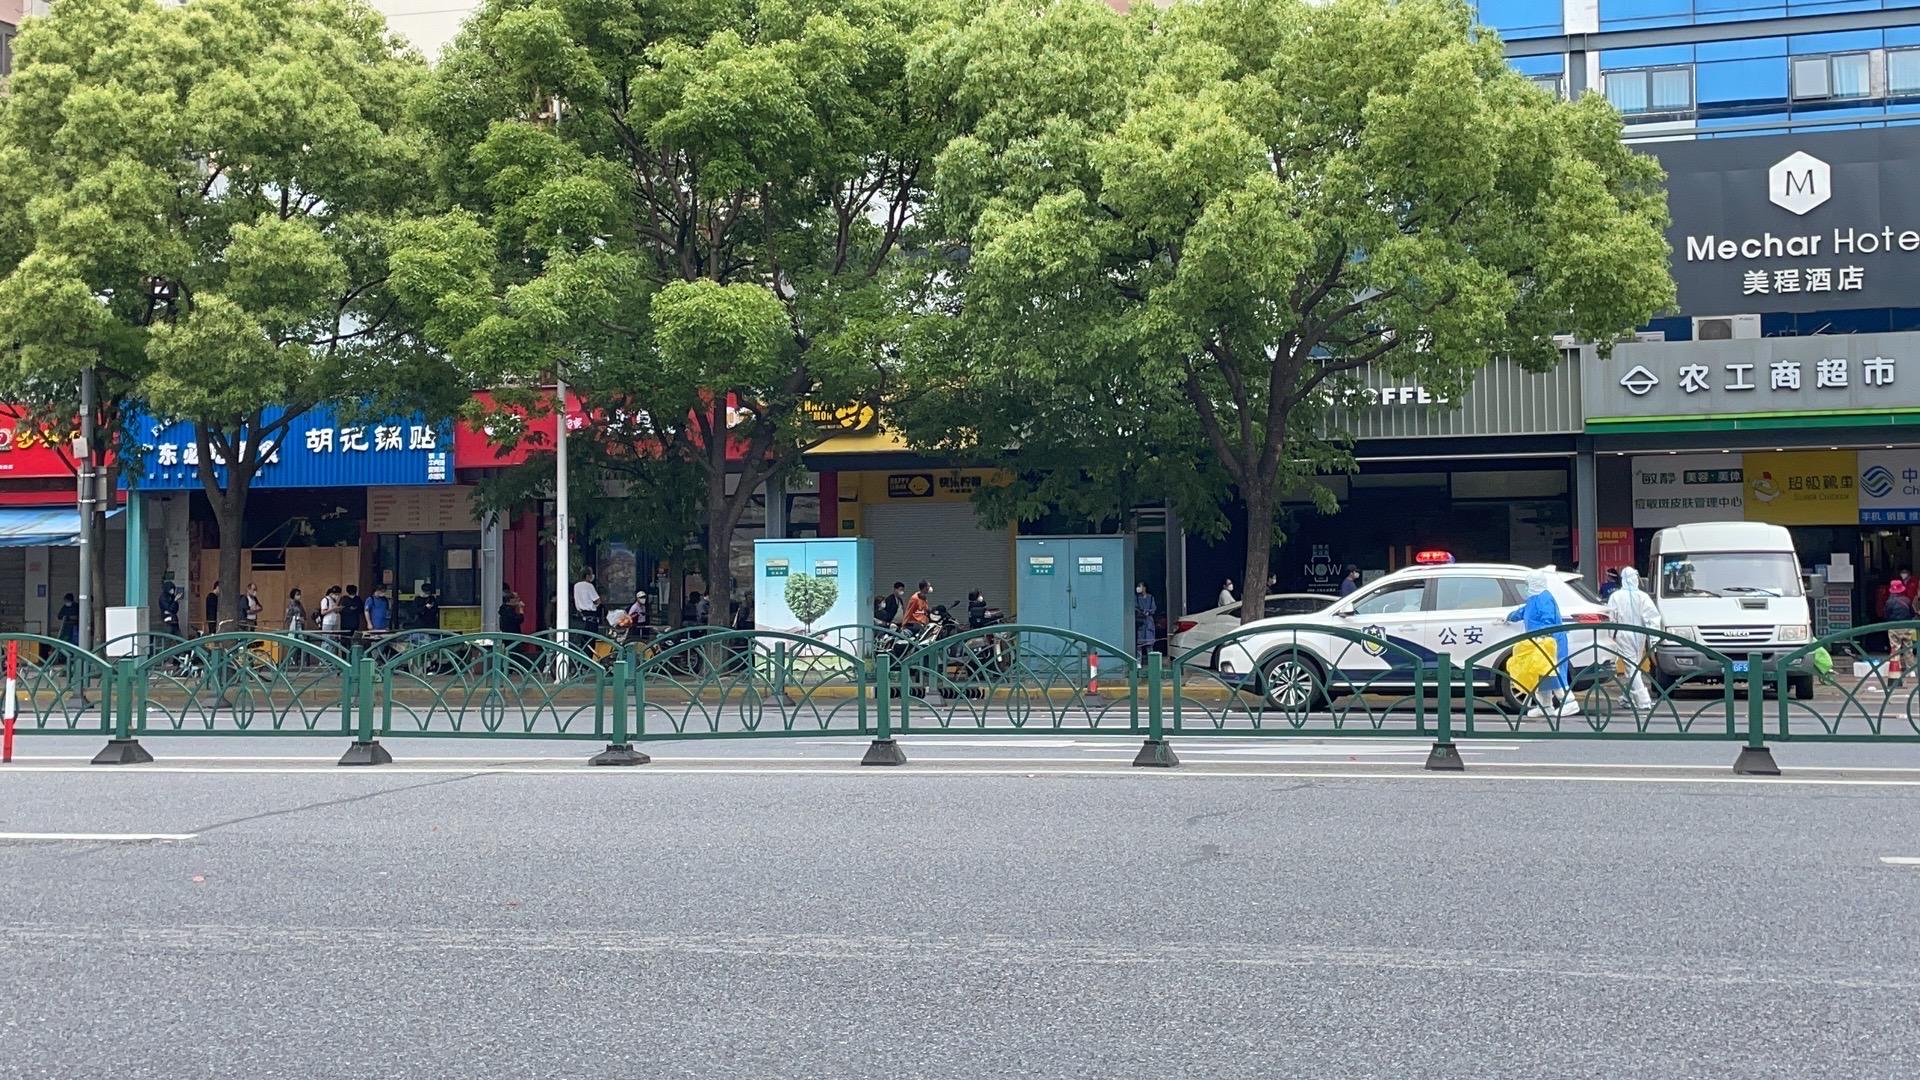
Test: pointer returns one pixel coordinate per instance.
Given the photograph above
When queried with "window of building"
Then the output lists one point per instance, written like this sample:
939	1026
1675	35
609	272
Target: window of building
7	30
1903	71
1549	83
1651	90
1842	75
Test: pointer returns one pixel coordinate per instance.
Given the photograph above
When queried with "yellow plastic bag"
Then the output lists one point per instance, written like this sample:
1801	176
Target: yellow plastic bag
1533	659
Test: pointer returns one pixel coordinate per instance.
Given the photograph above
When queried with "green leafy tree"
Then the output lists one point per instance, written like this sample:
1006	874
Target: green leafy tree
690	212
810	598
213	191
1226	208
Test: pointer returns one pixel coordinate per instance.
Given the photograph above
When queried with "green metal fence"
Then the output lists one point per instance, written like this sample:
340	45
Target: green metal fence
1328	681
753	684
876	683
1870	700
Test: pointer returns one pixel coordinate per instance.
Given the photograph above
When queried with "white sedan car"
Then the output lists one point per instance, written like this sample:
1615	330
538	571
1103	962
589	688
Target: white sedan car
1404	618
1202	627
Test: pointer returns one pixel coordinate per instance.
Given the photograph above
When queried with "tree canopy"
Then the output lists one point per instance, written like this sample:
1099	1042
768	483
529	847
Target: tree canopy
689	212
1193	226
212	192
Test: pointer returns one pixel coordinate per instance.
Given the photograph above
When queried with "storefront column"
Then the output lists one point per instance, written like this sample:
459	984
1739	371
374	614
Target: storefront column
775	493
829	504
136	571
1586	512
492	572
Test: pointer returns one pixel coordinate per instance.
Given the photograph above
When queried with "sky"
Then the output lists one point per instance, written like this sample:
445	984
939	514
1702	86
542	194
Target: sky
428	24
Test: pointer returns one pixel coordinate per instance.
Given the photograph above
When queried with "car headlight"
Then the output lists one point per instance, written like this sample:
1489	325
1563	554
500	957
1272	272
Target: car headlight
1793	633
1687	632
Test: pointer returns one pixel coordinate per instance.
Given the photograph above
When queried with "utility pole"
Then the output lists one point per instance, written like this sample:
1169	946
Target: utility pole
562	542
83	458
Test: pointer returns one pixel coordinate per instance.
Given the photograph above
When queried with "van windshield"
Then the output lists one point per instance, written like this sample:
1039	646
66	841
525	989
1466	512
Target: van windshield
1730	573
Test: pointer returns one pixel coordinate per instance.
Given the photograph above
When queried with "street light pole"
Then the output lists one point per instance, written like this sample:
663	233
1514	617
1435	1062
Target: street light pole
562	542
83	458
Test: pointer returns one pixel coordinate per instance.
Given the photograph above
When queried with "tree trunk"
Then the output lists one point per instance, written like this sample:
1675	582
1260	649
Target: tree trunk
229	514
720	521
1253	581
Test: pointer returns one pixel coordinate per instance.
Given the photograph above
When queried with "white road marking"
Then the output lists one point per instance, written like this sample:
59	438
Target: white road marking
1146	775
93	837
1900	860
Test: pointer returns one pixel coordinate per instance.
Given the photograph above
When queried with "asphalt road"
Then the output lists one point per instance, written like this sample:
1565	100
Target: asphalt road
770	910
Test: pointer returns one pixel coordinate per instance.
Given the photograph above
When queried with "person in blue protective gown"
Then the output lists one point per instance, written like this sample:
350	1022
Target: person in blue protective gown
1541	611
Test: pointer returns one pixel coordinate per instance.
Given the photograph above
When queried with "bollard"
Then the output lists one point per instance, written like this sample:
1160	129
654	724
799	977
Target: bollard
1093	674
13	702
885	750
1755	759
1155	753
365	750
620	751
122	748
1444	757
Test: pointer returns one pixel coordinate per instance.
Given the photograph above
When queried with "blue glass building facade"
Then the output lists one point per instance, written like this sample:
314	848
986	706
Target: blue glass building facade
1707	69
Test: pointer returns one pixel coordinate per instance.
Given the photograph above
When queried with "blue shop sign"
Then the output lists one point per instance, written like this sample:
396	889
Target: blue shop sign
317	450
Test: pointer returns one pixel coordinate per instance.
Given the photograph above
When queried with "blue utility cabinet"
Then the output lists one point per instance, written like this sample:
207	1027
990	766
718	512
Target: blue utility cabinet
847	562
1078	583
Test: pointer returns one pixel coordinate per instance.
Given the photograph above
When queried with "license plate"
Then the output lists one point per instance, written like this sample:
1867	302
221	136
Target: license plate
1739	667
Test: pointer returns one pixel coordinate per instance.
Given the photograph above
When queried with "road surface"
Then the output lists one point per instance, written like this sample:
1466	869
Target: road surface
1322	909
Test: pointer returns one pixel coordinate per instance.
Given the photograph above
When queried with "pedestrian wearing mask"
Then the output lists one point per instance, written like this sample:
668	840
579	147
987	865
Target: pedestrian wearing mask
1145	632
1900	609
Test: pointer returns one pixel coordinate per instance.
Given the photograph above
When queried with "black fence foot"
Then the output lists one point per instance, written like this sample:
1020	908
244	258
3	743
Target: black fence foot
122	752
884	752
1445	757
366	753
1755	761
1155	754
619	755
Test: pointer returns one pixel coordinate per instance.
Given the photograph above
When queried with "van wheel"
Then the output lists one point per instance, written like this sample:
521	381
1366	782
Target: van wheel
1802	687
1293	681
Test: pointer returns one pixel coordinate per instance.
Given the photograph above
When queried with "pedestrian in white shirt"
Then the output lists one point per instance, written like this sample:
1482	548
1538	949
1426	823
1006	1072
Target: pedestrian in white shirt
1226	593
586	602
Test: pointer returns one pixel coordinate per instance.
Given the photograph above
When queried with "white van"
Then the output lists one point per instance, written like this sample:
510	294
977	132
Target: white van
1733	586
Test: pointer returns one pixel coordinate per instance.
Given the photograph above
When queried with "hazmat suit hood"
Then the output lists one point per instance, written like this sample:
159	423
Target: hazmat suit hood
1537	581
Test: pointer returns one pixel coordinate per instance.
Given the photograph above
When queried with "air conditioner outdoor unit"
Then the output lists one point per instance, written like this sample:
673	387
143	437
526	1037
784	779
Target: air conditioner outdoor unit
1726	328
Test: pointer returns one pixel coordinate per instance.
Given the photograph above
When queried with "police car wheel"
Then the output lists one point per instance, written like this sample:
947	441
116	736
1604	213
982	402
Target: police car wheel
1293	681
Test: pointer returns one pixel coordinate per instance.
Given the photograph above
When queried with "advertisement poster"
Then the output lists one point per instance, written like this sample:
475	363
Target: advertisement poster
1802	487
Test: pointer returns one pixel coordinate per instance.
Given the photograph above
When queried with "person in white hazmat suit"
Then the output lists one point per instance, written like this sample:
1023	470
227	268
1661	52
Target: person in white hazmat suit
1631	606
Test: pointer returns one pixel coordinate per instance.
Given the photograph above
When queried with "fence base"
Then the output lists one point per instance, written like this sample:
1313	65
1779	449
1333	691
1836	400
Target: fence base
122	752
884	752
1155	754
366	753
1445	757
1755	761
619	755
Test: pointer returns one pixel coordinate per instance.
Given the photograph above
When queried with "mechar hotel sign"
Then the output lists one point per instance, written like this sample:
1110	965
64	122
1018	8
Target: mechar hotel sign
1794	223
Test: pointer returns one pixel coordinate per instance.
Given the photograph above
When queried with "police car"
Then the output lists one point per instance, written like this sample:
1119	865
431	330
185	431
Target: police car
1403	620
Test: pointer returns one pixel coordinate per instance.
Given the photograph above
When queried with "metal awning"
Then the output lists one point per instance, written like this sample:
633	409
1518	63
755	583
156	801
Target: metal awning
40	526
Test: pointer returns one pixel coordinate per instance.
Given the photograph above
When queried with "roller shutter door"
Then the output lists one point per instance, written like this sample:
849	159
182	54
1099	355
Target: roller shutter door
944	543
13	589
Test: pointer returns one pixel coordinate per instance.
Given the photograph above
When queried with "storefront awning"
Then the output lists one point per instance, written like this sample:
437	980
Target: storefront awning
30	526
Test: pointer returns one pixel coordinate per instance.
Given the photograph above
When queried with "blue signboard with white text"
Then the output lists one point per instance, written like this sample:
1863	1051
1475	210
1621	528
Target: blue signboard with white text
317	449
